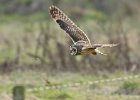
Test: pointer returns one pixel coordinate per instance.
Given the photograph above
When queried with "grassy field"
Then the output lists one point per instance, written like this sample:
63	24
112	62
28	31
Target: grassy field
33	80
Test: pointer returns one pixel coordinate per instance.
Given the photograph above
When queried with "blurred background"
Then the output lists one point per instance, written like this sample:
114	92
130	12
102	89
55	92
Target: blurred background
34	50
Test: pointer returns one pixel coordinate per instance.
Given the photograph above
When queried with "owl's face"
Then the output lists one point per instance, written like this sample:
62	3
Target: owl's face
75	49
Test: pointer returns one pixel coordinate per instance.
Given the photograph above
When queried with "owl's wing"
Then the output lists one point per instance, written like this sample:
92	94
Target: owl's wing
104	45
75	33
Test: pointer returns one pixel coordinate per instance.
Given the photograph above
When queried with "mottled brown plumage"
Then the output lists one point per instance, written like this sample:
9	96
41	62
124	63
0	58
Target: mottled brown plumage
81	42
66	24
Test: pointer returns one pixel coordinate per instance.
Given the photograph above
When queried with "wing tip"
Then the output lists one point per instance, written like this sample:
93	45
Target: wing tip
54	11
117	44
52	7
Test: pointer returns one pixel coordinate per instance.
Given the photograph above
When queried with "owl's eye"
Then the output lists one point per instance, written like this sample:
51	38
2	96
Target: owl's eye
73	50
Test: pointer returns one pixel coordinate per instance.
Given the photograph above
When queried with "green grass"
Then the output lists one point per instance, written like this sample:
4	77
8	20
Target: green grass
36	79
129	87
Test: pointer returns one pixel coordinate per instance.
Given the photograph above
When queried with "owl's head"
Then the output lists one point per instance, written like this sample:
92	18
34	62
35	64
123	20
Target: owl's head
75	50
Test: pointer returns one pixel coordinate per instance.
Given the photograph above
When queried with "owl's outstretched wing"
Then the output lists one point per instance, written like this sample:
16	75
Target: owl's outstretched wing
66	24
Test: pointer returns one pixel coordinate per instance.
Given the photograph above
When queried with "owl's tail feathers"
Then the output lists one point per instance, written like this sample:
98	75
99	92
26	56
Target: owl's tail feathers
99	52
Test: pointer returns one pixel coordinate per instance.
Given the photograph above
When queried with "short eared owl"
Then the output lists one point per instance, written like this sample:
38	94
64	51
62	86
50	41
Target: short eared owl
81	43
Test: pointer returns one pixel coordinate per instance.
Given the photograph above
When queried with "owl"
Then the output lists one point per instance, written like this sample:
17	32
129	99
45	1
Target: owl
81	44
